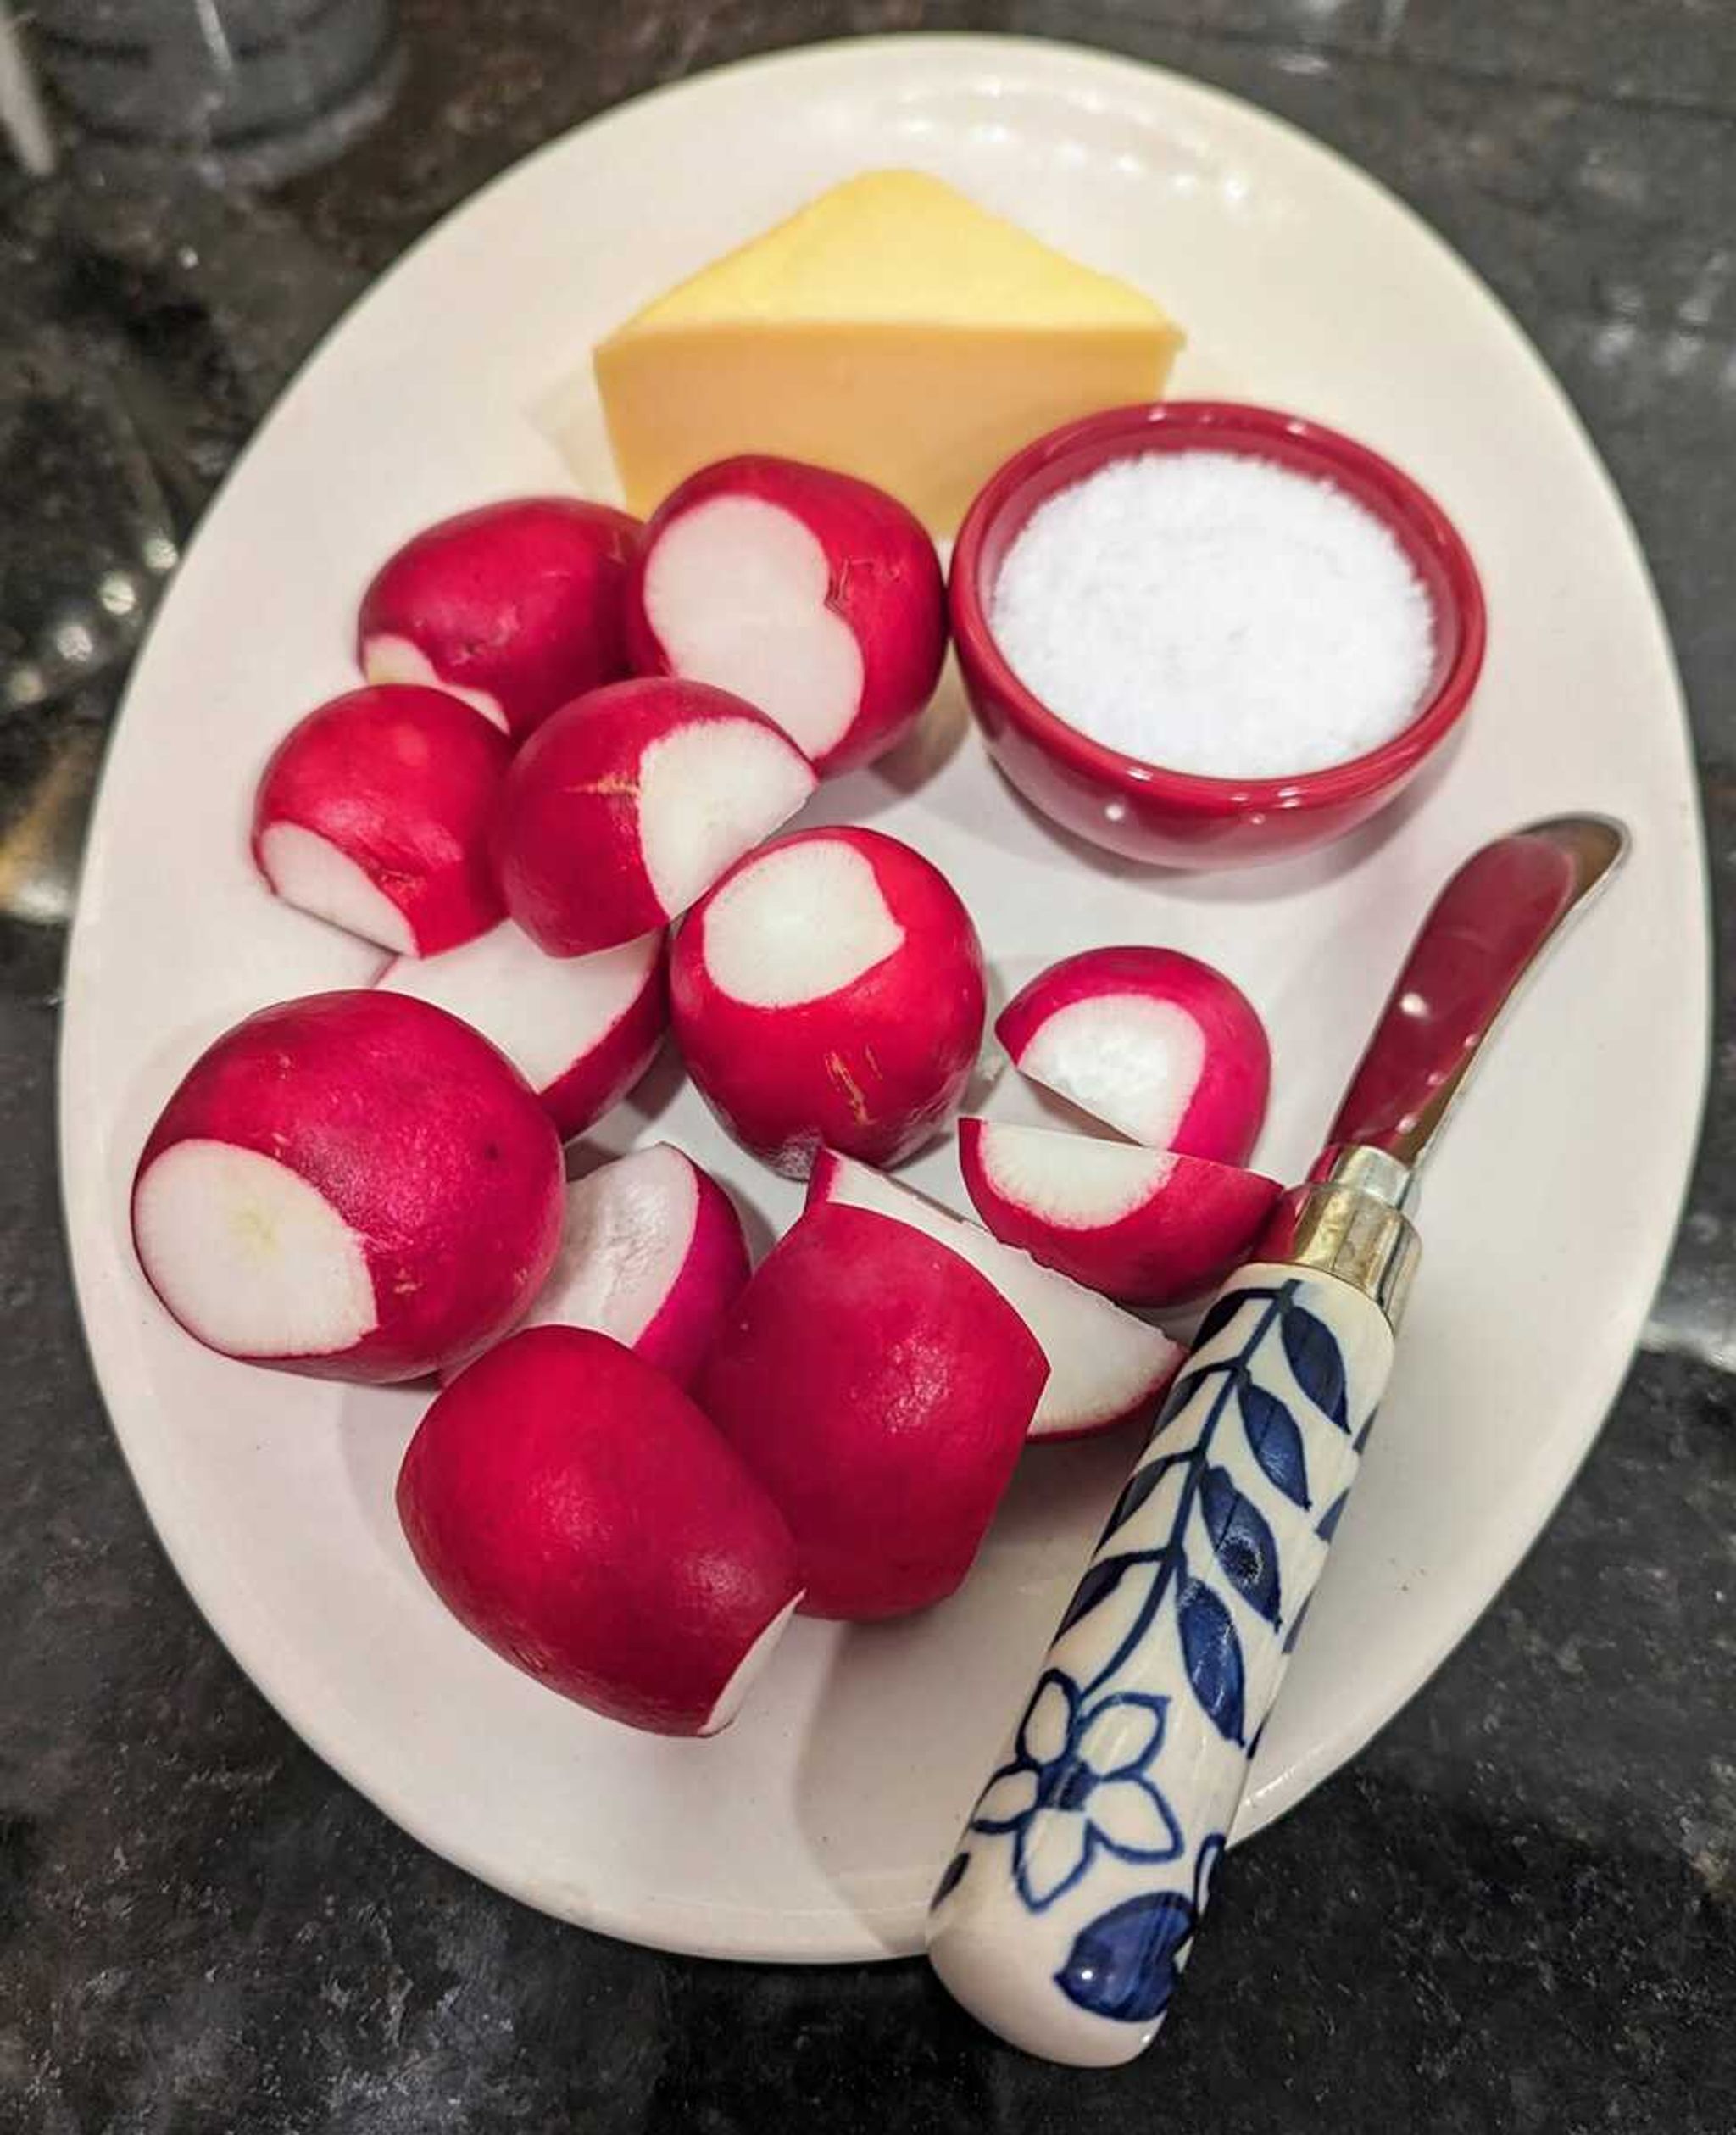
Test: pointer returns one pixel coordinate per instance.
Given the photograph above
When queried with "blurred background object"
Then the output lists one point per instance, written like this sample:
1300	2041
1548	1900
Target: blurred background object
154	303
255	89
21	112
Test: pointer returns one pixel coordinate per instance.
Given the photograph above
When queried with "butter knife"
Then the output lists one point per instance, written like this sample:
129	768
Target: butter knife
1073	1898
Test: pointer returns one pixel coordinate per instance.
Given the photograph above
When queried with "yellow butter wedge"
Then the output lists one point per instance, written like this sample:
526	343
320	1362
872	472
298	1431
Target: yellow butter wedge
892	328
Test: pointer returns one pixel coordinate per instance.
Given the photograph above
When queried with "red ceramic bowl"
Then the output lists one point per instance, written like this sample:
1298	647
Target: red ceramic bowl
1174	818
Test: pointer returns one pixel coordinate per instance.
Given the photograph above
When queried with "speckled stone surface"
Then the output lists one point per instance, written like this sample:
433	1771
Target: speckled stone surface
1517	1911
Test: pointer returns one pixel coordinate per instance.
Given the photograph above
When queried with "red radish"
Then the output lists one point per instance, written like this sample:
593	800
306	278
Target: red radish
829	990
572	1507
517	607
880	1391
631	802
355	1185
374	812
1146	1226
1157	1044
652	1254
816	596
581	1030
1105	1365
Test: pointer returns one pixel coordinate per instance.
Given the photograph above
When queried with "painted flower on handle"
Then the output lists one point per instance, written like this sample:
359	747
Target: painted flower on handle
1076	1784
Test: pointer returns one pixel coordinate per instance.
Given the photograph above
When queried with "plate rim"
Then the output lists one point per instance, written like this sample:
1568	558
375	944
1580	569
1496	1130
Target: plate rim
681	1925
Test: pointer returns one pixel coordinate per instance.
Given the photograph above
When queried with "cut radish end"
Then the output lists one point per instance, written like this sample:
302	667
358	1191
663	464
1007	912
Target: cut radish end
374	812
309	873
653	1254
736	590
1105	1365
580	1030
707	795
578	1513
1147	1226
829	993
355	1185
630	802
388	659
806	920
734	1693
628	1226
816	598
515	608
248	1255
1156	1045
1125	1059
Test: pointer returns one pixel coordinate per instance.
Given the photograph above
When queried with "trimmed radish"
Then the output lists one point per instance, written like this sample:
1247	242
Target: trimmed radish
573	1508
516	608
374	813
1158	1045
581	1030
355	1185
880	1391
631	802
1147	1226
816	596
1105	1365
653	1254
829	990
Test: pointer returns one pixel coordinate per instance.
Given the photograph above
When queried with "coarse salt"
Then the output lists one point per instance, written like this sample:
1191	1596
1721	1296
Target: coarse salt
1218	614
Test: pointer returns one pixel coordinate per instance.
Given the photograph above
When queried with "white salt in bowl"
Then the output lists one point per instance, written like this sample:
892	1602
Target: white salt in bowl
1143	810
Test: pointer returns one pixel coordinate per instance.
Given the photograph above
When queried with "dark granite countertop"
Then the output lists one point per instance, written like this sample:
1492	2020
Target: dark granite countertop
1516	1911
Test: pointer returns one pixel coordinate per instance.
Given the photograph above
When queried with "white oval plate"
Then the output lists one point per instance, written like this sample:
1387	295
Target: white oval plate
815	1827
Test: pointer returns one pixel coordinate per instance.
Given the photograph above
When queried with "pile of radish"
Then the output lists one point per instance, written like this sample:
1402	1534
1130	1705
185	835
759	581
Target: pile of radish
556	803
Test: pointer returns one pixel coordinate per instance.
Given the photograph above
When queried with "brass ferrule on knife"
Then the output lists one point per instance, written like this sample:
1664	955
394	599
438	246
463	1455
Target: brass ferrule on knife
1349	1221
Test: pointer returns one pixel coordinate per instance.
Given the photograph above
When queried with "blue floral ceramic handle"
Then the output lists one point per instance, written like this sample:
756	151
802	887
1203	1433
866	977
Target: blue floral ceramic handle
1067	1912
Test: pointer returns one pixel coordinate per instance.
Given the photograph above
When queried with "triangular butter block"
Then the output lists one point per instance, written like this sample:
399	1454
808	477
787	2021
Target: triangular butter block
892	328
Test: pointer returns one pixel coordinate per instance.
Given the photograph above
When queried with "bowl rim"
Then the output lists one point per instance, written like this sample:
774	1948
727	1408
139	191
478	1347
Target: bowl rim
1229	426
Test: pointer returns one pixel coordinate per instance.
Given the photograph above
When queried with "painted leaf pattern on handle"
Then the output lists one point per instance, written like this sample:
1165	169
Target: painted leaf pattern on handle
1275	1441
1099	1583
1243	1540
1317	1360
1141	1483
1213	1655
1125	1965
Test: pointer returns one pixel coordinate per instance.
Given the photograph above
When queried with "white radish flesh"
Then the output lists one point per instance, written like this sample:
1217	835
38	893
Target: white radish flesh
1129	1062
804	921
707	795
653	1254
1159	1045
580	1030
736	590
389	658
309	871
749	1670
249	1256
